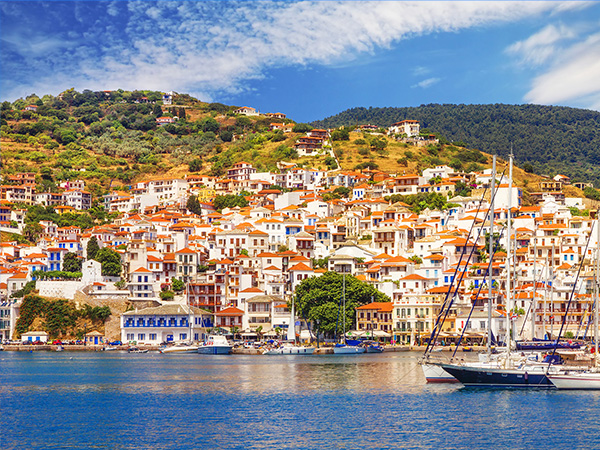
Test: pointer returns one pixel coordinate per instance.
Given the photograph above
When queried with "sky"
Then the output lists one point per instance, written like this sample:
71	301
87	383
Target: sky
309	60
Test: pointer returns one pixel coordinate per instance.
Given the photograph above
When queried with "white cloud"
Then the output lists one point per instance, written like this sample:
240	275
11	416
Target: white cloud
540	47
426	83
215	47
574	76
420	71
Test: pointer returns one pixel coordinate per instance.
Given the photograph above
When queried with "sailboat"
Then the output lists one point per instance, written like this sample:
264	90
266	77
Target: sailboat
589	379
507	369
432	368
344	348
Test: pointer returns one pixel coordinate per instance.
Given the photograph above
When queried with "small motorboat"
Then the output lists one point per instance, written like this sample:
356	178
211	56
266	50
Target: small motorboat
180	348
289	350
373	347
215	345
137	350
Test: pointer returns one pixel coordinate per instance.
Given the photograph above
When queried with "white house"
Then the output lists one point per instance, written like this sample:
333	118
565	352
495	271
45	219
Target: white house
408	127
166	323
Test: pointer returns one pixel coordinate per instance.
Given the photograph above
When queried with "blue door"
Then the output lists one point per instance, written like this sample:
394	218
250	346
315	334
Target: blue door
95	340
169	338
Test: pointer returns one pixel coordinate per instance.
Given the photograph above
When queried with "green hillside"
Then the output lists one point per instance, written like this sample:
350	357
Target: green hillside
112	139
552	139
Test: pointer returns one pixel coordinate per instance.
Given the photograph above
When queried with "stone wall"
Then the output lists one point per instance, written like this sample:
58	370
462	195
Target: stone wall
58	289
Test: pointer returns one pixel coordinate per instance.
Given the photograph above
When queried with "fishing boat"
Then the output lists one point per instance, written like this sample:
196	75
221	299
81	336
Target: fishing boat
215	345
289	350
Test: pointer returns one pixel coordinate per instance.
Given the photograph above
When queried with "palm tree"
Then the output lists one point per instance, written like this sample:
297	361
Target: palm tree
259	331
278	332
235	331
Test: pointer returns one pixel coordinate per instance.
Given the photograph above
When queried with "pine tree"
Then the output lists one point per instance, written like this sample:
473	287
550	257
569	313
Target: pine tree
92	248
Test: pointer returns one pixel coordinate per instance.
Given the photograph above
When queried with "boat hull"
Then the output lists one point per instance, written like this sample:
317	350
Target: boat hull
214	350
290	351
576	381
180	351
348	350
497	377
435	374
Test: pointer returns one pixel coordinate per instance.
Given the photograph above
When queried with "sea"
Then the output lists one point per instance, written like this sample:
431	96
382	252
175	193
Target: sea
116	400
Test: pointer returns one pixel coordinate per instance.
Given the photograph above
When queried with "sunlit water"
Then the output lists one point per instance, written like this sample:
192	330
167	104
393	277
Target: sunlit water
121	401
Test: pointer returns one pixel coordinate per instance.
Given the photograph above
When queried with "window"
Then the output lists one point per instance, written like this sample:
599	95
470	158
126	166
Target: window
182	336
141	337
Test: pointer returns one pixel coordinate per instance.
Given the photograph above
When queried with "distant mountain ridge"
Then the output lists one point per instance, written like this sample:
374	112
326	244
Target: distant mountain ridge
553	139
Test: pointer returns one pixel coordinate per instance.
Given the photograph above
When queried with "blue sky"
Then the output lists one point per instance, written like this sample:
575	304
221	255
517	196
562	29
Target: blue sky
308	59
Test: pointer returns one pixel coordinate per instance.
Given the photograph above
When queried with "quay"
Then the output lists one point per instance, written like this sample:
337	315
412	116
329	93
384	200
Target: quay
324	350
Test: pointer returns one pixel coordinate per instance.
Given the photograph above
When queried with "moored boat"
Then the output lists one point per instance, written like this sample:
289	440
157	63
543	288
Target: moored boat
525	377
343	349
180	349
373	347
289	350
576	380
137	350
215	345
435	374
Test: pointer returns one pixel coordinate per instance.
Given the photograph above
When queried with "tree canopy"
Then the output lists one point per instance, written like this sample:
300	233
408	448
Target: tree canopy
551	139
319	299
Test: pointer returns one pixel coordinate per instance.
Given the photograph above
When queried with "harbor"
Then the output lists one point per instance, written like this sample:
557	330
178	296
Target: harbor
117	400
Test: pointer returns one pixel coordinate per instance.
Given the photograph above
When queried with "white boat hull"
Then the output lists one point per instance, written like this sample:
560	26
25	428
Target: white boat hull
435	374
585	380
290	351
348	350
181	350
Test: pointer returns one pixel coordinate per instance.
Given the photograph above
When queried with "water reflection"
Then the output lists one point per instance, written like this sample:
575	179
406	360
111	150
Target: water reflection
156	373
117	400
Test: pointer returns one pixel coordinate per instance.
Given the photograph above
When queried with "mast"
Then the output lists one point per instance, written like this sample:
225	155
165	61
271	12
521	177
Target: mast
533	301
551	269
344	307
596	282
491	254
508	254
546	295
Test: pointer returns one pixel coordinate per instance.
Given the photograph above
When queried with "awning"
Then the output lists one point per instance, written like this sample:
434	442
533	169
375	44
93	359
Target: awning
355	333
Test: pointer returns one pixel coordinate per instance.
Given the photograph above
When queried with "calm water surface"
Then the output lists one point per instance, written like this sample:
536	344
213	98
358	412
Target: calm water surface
119	401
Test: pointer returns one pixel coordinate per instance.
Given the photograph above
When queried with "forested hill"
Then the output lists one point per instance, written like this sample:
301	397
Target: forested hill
552	139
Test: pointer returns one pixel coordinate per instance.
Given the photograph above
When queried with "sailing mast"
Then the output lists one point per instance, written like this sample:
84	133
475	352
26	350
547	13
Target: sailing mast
508	271
533	300
491	254
596	282
344	307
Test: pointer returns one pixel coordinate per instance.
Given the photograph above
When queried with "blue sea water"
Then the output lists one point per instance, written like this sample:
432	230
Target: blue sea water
116	400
